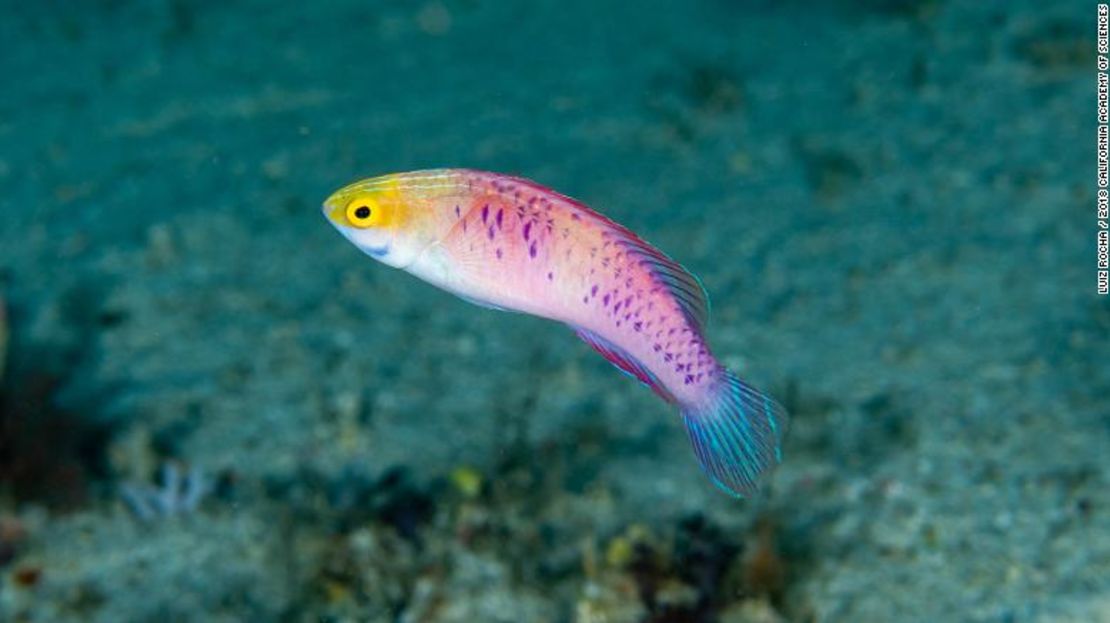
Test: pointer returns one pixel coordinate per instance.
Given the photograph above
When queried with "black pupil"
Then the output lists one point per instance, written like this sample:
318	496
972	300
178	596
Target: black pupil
362	212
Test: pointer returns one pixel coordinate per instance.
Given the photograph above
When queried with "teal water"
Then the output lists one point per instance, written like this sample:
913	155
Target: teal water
213	408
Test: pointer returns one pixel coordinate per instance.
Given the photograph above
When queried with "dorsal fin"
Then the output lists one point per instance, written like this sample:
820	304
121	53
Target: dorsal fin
621	359
685	287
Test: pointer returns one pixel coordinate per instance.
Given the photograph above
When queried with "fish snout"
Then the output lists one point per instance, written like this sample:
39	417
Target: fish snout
332	210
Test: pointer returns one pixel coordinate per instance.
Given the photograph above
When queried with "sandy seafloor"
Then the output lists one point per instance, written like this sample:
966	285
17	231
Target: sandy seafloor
890	203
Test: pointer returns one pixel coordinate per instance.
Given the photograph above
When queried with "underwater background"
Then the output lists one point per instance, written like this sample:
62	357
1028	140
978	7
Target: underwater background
215	409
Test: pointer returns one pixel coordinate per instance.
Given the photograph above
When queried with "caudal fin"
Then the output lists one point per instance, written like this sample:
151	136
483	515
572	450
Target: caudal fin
737	435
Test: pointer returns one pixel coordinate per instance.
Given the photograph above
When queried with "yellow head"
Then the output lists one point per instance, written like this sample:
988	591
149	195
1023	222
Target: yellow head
391	218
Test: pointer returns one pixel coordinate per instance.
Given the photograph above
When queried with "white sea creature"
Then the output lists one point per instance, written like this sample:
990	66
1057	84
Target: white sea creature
176	494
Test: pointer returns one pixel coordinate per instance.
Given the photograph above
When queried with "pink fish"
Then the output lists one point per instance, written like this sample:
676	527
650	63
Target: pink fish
511	244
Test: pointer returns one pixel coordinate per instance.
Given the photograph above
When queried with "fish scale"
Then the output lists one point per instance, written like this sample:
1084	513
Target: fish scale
561	259
510	244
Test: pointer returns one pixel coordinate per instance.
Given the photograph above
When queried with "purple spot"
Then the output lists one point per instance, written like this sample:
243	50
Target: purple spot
485	213
550	276
637	326
668	357
575	216
527	229
499	218
593	290
605	300
689	379
490	233
617	306
656	347
457	211
585	299
532	250
499	253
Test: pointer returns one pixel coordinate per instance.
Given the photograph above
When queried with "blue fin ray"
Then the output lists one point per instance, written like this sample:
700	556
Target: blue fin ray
737	435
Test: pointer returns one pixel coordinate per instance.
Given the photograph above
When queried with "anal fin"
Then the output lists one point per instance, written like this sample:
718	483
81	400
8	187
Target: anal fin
624	361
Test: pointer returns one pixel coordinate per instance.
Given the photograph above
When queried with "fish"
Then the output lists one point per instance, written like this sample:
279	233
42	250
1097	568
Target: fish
508	243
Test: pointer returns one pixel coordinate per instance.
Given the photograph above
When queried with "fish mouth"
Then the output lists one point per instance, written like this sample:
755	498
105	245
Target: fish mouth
351	234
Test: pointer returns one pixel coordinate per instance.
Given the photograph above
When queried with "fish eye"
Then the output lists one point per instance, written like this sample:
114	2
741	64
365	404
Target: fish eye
362	212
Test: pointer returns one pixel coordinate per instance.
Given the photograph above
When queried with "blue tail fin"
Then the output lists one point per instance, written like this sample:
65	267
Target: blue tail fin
736	435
